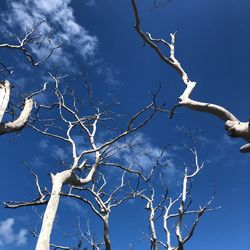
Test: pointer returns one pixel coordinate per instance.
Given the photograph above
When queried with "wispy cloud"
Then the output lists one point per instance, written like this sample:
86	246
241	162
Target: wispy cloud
63	29
218	149
74	206
90	3
59	152
229	141
141	152
38	161
110	75
9	237
43	144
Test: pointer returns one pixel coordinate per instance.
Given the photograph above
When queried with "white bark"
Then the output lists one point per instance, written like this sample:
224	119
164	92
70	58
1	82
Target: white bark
152	227
71	118
166	227
234	127
4	97
20	122
58	180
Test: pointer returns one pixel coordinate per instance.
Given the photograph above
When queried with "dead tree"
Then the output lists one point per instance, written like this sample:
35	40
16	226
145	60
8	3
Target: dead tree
23	45
104	200
235	127
19	123
89	238
66	122
173	211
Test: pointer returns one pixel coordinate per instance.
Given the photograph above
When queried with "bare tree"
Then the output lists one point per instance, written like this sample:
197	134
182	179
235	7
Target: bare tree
89	238
105	199
65	123
63	120
20	44
161	206
24	44
233	125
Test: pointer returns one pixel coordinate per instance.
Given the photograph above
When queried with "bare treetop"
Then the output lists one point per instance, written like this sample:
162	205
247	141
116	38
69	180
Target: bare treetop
63	120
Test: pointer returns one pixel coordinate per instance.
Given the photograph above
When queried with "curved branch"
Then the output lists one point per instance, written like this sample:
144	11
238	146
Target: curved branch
20	122
234	127
185	100
23	44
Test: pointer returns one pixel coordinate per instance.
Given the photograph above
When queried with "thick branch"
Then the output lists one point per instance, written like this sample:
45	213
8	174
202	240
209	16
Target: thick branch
20	122
234	127
5	88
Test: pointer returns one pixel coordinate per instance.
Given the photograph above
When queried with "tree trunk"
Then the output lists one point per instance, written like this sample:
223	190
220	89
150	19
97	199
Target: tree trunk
58	180
106	234
154	244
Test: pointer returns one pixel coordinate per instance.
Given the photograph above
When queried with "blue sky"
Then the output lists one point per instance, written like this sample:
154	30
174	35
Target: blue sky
99	39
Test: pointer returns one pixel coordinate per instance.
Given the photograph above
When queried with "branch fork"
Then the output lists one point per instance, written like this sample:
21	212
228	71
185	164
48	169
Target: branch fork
234	126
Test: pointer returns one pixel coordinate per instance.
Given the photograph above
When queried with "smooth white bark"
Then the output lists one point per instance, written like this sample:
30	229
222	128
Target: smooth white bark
58	180
4	97
20	122
234	127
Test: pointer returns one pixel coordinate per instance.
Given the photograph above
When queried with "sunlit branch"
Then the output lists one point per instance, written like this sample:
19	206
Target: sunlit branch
234	127
23	44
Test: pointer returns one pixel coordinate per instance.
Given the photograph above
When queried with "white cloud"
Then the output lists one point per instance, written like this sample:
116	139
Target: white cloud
144	156
110	75
42	98
143	153
43	144
74	205
38	161
21	238
219	148
205	141
58	152
228	141
8	236
90	3
64	28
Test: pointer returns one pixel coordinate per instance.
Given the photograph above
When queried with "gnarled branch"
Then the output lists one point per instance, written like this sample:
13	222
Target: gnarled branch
234	127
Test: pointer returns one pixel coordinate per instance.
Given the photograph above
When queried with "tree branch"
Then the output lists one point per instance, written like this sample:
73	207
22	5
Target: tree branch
234	127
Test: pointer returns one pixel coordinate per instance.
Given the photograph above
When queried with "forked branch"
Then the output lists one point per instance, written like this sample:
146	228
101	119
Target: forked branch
20	122
234	127
23	44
